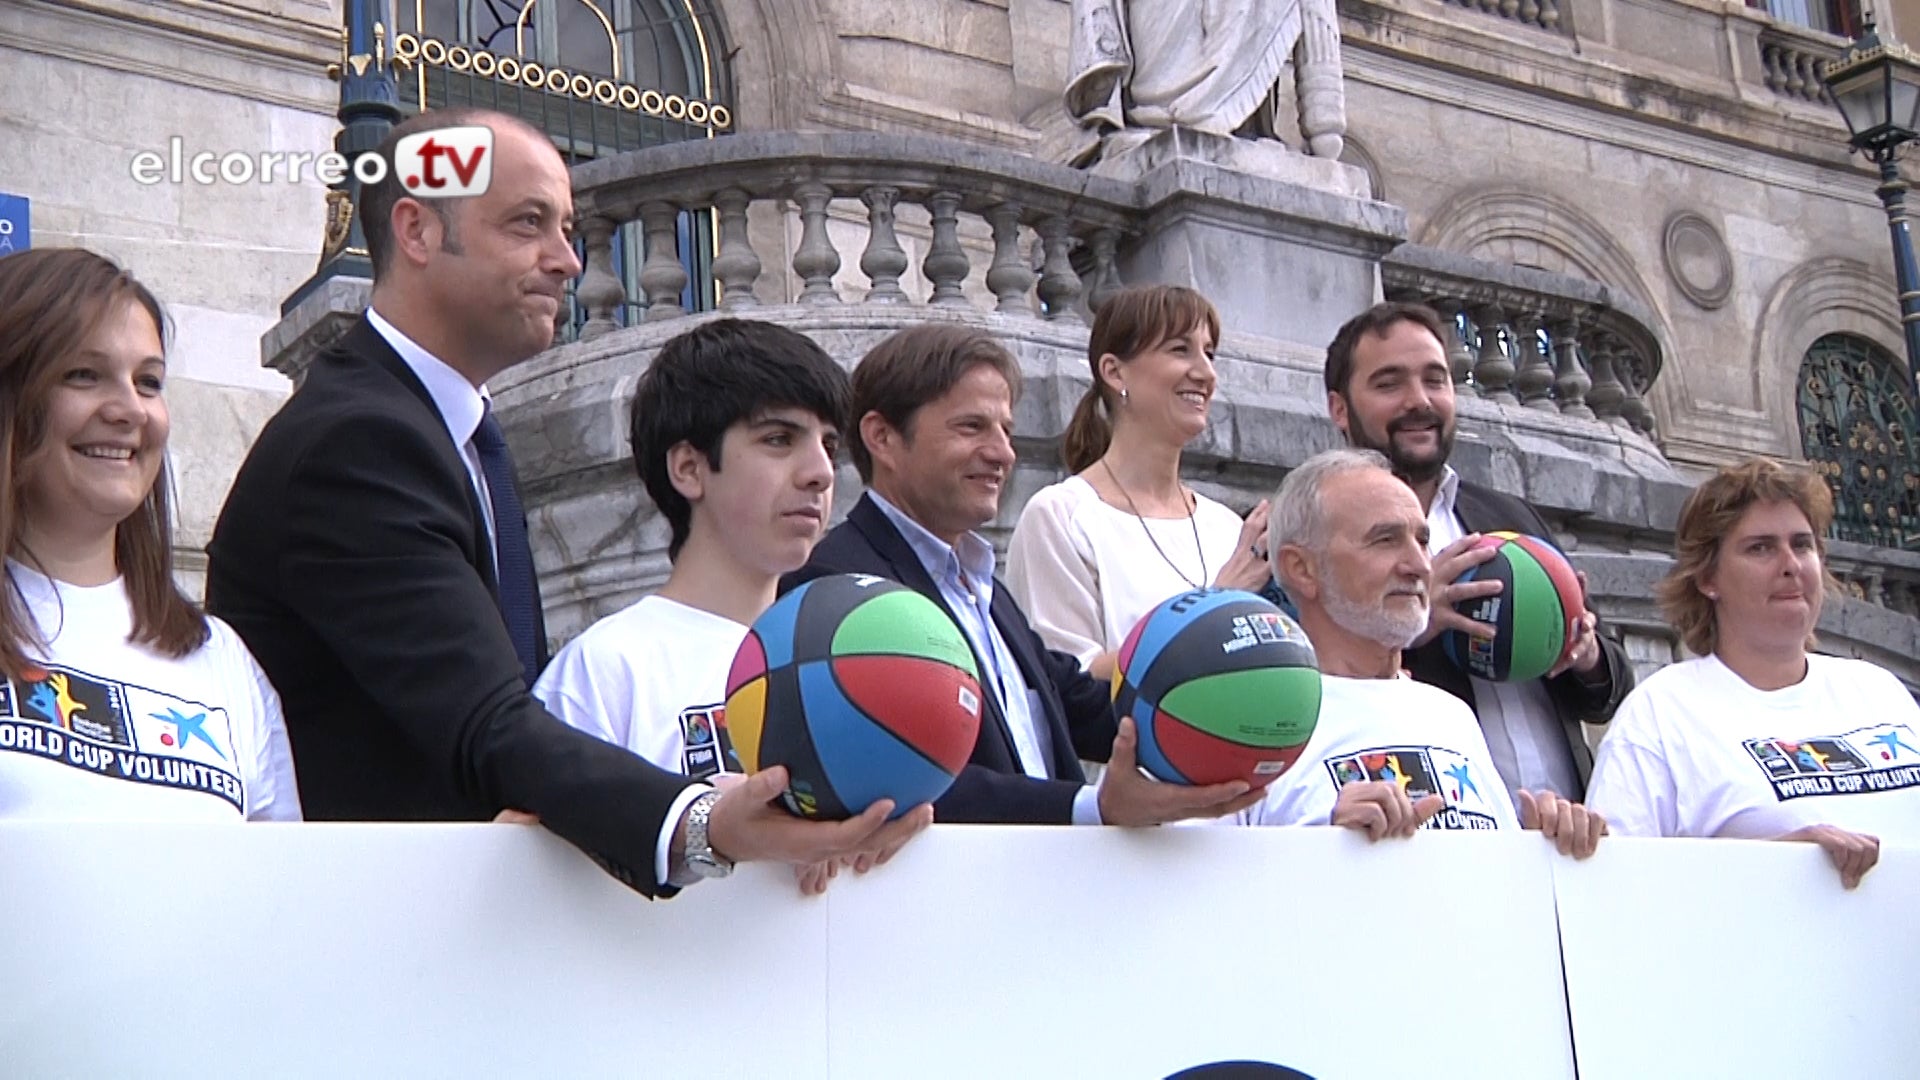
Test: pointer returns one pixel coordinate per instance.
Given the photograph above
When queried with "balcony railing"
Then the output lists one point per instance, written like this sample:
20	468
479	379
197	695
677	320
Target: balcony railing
1527	337
1078	219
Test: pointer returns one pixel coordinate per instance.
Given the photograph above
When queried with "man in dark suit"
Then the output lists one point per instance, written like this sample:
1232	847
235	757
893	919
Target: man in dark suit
1389	388
373	555
934	409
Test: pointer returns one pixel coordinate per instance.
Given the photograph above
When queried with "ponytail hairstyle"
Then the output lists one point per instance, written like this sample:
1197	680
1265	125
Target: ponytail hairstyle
1134	321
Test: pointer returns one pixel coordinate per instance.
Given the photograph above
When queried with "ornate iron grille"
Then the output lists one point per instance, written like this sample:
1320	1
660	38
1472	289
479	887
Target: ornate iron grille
1857	426
601	77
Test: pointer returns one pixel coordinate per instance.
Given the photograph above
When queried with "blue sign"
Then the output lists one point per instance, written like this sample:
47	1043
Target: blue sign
16	232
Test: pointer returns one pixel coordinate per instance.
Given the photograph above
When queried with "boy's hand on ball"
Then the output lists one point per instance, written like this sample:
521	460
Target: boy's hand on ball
1381	808
1445	590
747	826
1129	797
1585	654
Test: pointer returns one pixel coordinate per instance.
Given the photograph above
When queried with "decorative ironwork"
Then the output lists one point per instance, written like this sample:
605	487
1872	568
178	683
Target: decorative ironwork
1857	428
601	77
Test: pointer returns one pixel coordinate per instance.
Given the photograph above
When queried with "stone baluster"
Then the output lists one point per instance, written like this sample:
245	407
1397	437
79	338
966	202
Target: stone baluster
1509	8
1607	393
816	260
661	274
599	291
1633	408
1106	274
1570	381
1009	277
1773	76
1459	357
1492	370
1550	15
1810	77
1796	83
1059	285
884	260
736	266
946	262
1530	12
1534	379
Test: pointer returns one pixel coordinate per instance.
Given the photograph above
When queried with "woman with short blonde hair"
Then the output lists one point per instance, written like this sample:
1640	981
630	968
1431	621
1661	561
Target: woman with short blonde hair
1758	737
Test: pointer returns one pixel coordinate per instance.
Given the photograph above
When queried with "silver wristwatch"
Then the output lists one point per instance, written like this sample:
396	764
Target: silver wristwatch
702	860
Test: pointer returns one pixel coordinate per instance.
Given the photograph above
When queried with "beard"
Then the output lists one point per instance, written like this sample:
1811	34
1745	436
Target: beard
1395	627
1412	468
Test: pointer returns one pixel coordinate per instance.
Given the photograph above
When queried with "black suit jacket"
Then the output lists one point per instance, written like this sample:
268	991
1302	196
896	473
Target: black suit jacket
1077	710
353	559
1484	510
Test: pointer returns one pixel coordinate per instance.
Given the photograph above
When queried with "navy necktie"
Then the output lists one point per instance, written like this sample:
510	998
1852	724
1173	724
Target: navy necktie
518	596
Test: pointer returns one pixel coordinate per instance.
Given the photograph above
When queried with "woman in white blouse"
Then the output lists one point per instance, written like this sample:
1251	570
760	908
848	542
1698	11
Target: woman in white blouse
1757	738
1094	553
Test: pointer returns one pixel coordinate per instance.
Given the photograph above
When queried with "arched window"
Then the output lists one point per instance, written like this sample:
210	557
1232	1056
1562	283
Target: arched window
1857	427
601	77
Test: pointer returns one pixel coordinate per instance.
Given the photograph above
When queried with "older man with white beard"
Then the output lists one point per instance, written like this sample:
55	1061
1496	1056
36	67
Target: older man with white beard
1390	755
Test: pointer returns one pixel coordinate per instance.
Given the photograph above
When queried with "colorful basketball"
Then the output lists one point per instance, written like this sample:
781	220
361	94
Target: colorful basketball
1221	685
1537	611
864	689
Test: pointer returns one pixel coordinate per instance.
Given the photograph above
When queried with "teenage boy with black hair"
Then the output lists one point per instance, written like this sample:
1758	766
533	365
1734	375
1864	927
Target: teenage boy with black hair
735	430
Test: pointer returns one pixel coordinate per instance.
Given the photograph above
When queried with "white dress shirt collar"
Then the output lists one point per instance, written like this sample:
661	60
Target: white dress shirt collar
459	402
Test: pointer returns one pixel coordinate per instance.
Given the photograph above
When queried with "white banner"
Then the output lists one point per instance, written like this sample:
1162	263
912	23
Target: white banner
482	951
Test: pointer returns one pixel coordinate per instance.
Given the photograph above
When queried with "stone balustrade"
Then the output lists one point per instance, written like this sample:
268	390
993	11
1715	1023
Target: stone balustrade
1545	14
1883	577
1791	59
1079	221
1545	341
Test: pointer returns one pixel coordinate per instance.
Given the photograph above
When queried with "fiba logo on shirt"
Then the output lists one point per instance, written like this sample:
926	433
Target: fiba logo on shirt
1421	771
454	162
1860	762
706	748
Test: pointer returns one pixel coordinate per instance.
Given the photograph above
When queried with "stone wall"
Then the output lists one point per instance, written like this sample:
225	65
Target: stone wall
82	90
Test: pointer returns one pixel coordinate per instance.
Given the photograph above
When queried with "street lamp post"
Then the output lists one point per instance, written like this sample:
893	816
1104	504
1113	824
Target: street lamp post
1876	85
369	108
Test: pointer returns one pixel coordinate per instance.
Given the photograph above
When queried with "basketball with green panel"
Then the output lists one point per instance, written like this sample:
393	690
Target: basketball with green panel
863	688
1221	686
1536	613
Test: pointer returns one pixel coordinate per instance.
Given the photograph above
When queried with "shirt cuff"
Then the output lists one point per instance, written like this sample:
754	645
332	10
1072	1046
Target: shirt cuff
1086	805
663	848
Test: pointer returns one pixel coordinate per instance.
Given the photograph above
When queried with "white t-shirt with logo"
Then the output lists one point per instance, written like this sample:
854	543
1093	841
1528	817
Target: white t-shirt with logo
1696	750
651	677
108	730
1418	736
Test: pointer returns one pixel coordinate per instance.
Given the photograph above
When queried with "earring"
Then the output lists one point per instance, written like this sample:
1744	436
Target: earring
1713	596
1123	396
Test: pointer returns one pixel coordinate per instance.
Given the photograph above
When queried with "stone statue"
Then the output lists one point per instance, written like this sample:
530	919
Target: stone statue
1225	67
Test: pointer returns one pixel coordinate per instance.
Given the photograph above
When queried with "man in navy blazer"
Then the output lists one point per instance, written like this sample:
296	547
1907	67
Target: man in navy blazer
934	408
373	556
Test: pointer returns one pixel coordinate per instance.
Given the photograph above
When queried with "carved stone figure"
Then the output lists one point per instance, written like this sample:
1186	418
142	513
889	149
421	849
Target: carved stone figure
1226	67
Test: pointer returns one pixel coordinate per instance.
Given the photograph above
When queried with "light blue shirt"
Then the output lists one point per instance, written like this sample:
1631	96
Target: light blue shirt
964	575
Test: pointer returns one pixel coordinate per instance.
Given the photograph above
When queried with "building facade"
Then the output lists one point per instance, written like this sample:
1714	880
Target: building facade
1641	213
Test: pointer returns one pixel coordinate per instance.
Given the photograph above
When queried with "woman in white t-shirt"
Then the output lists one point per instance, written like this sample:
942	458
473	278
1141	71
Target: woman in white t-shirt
120	699
1758	738
1092	554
